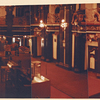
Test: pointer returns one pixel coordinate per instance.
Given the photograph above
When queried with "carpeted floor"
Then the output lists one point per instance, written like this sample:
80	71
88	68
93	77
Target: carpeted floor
55	93
93	84
64	83
25	62
72	84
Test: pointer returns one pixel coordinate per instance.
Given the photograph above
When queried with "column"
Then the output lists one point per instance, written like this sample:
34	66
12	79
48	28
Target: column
61	49
79	52
68	42
34	46
9	23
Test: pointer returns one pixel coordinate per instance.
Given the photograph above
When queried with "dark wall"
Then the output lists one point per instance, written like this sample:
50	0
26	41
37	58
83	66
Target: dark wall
80	51
34	46
61	37
68	40
49	47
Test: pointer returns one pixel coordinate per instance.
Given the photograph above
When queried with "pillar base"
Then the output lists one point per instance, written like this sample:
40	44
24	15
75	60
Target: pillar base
76	70
47	60
57	63
42	58
67	66
60	64
98	75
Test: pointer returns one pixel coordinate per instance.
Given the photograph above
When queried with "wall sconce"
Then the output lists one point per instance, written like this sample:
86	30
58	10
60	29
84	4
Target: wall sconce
41	24
42	39
42	42
90	40
9	64
25	36
4	37
63	23
75	23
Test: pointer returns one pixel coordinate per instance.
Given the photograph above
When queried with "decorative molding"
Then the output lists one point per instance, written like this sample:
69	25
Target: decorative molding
20	30
52	30
46	25
20	25
3	30
74	31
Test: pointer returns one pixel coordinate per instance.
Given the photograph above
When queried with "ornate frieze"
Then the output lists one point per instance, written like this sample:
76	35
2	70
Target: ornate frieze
87	19
86	28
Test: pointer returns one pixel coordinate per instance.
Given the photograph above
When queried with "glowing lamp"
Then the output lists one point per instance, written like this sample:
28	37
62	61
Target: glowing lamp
63	21
37	79
25	36
41	24
4	37
90	40
43	78
9	65
42	39
63	24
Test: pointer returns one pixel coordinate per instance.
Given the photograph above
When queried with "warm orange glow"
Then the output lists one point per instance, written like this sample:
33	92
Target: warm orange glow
37	79
42	42
90	40
38	65
9	65
42	39
4	37
43	78
62	20
41	23
63	24
75	23
25	36
13	39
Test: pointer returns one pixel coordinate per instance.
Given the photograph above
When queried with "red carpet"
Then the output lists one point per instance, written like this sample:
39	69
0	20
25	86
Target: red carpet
93	84
73	84
55	93
64	83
